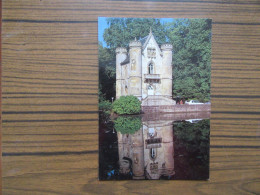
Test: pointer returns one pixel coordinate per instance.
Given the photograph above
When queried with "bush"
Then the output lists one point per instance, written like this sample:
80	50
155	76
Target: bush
127	105
105	105
127	124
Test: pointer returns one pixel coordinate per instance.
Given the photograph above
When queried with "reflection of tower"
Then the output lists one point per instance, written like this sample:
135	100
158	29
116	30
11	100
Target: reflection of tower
152	159
124	152
138	155
130	149
158	149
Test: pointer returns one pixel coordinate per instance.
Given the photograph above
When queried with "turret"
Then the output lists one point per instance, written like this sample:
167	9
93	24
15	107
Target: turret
121	54
138	154
167	69
168	148
135	69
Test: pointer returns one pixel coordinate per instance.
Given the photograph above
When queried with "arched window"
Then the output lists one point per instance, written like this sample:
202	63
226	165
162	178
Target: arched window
150	68
153	153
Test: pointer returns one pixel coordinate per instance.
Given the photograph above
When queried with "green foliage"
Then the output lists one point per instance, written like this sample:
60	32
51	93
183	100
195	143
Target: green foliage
123	30
107	73
191	39
100	94
195	136
127	124
191	146
105	105
127	105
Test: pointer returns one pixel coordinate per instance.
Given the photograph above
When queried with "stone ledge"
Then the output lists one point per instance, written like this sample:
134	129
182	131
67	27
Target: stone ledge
177	108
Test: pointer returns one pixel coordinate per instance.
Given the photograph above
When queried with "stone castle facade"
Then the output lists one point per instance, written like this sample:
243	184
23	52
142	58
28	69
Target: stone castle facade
145	71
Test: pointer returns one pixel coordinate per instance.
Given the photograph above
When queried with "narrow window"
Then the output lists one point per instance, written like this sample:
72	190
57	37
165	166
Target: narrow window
150	68
152	153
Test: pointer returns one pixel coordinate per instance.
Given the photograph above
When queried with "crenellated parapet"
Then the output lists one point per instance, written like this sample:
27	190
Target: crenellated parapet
121	50
166	47
135	43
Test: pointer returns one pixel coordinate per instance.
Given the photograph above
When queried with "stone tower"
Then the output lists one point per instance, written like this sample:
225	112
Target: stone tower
166	79
135	69
121	54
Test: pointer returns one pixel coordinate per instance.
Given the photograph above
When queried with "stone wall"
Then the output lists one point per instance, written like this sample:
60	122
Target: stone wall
177	108
164	118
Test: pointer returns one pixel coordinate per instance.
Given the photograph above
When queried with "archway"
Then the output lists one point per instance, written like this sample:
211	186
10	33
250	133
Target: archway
150	90
150	68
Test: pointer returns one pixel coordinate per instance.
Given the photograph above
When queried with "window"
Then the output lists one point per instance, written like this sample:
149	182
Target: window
150	90
152	153
150	68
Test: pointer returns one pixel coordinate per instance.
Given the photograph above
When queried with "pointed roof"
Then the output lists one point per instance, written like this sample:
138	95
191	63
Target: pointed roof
146	39
143	40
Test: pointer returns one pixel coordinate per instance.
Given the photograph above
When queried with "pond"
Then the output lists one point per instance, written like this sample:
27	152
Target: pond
154	146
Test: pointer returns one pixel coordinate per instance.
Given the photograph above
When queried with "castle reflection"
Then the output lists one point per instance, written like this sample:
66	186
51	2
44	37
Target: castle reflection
146	150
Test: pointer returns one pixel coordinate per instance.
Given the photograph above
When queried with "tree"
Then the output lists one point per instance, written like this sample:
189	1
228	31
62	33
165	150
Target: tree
191	39
107	74
127	105
123	30
128	124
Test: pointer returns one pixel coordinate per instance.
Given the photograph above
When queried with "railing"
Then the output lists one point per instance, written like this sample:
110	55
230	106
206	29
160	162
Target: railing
152	76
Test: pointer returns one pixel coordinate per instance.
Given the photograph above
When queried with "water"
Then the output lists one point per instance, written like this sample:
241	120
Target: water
155	146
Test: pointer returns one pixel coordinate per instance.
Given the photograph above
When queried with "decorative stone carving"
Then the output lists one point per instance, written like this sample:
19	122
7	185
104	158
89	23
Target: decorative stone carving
133	64
151	52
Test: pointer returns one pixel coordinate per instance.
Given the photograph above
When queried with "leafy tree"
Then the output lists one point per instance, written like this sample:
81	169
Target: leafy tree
105	105
191	39
107	73
195	136
191	146
127	124
127	105
123	30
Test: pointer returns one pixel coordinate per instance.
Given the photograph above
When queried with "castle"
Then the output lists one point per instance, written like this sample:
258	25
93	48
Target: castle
145	72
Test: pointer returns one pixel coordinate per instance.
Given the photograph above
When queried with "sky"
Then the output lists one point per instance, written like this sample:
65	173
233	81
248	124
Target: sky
102	25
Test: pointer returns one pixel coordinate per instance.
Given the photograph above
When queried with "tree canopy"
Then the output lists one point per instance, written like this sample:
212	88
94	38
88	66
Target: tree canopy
191	40
124	30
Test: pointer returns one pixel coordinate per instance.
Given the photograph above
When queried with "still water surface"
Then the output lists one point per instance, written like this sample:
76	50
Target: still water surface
155	146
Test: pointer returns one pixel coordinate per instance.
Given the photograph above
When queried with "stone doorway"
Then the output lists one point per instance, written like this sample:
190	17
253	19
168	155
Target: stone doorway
150	90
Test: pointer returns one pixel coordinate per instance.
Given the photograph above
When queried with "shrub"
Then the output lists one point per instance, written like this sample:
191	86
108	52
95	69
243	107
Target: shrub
105	105
127	124
127	105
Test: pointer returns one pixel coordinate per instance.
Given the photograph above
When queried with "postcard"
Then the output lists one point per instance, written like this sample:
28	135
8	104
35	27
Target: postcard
154	98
